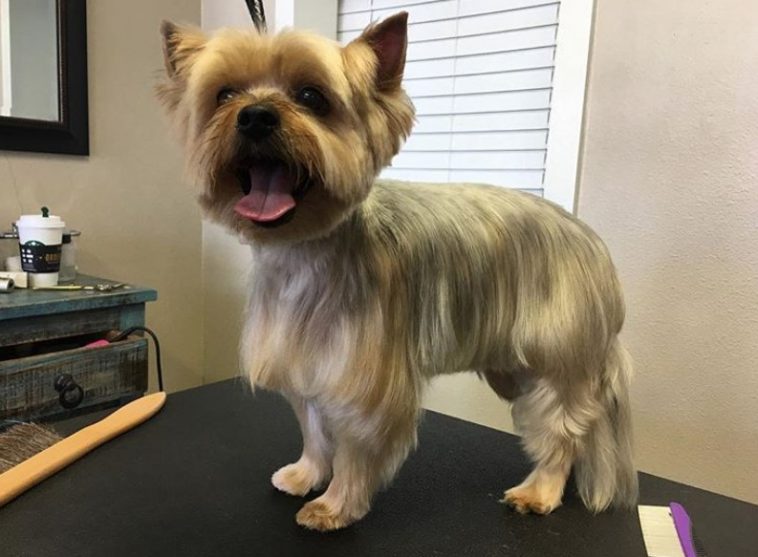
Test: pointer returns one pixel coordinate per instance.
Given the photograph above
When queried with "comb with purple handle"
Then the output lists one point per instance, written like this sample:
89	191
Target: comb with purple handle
683	526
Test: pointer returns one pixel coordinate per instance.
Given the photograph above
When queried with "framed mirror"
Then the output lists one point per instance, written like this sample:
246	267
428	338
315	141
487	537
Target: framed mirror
43	76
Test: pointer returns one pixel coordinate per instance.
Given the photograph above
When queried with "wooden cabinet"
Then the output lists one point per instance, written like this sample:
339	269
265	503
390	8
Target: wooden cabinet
42	346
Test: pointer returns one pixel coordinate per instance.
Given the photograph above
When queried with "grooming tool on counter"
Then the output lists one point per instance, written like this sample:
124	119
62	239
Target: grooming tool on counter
93	287
668	532
7	285
56	457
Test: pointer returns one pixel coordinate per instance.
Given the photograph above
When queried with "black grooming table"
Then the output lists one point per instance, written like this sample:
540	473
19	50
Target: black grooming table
194	480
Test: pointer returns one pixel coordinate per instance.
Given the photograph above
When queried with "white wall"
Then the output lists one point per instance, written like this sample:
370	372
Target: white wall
139	221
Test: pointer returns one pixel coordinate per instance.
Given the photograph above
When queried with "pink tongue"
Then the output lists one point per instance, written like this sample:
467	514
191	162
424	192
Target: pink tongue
270	195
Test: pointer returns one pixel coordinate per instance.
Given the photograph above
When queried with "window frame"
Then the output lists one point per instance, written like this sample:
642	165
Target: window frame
566	120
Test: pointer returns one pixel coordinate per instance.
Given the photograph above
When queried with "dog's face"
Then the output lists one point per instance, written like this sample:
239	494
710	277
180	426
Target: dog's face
287	132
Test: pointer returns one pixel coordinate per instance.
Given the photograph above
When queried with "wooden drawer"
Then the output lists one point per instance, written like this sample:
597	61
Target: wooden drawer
38	328
105	374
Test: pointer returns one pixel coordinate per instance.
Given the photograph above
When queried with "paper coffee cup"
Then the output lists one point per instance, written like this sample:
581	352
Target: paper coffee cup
39	240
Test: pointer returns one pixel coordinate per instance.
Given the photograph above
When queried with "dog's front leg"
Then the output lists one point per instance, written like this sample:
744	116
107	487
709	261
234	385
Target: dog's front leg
361	467
313	468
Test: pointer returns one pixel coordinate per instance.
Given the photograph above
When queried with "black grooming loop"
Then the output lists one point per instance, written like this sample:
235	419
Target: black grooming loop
258	15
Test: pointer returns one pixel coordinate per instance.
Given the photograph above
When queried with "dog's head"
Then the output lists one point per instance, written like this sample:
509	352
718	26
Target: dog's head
286	133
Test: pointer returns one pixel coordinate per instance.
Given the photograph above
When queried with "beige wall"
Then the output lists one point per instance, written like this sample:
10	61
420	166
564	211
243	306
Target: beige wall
669	180
139	221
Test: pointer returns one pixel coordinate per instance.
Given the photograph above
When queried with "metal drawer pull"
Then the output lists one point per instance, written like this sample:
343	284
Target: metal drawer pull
71	393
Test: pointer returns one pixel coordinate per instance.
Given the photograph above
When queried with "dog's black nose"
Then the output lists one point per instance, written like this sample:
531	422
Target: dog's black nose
257	122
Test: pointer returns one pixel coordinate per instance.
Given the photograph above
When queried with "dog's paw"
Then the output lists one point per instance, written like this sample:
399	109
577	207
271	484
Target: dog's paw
322	516
297	478
529	498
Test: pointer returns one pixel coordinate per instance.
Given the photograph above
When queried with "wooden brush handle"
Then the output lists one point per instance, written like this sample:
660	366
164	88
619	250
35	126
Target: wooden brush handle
46	463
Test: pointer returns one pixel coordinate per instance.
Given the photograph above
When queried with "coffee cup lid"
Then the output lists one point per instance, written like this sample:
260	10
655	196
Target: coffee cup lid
38	221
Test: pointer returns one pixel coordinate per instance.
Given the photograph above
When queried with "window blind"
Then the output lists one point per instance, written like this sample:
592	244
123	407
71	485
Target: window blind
480	74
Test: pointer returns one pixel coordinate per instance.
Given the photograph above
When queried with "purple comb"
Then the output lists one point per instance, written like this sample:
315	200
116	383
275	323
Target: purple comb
683	526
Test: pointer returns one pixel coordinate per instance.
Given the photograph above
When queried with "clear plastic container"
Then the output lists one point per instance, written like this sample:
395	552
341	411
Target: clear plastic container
68	256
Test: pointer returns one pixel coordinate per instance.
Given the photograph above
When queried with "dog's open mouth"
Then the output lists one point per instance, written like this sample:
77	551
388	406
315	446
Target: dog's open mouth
271	191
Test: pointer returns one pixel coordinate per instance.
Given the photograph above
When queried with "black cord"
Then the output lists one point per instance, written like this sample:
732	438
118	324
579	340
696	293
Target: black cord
123	334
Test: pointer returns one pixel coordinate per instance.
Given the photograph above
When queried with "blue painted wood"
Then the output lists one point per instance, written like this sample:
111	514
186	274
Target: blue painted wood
105	374
73	323
26	302
109	374
132	316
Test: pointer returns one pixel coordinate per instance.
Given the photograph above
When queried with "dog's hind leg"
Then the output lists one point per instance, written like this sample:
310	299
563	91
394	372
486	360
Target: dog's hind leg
550	436
313	468
581	422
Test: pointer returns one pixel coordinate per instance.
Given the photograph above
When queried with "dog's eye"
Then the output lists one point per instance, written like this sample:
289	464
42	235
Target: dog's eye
225	95
313	99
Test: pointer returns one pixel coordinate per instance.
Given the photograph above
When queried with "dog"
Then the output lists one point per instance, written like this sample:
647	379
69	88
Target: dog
364	289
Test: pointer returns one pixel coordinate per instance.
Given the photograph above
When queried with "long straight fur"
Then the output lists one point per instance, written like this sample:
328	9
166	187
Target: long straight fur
428	279
370	287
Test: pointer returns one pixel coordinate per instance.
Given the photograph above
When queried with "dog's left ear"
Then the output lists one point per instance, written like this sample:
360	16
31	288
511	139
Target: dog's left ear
389	41
180	46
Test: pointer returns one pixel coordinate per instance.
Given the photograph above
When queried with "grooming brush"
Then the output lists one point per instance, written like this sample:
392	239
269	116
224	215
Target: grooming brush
24	440
668	532
30	453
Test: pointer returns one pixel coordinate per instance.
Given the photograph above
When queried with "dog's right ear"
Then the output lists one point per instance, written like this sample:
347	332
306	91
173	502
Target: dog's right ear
180	46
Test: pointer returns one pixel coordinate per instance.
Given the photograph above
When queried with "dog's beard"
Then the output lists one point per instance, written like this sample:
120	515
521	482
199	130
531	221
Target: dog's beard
271	191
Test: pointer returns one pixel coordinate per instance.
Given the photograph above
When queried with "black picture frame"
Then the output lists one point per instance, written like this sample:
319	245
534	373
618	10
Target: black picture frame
70	134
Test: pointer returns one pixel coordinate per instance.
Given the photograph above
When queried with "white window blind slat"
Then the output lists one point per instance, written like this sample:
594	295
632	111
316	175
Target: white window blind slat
471	7
483	103
480	74
469	160
500	140
349	6
429	68
430	87
511	81
539	57
480	83
435	30
504	21
518	179
398	5
354	21
433	124
431	11
502	121
484	141
431	50
500	102
423	175
519	39
427	142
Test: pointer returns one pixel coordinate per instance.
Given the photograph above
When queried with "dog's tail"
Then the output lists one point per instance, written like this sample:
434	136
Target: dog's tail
604	468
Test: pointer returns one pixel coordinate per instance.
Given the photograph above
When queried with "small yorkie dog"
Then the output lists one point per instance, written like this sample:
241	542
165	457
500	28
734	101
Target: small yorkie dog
364	289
